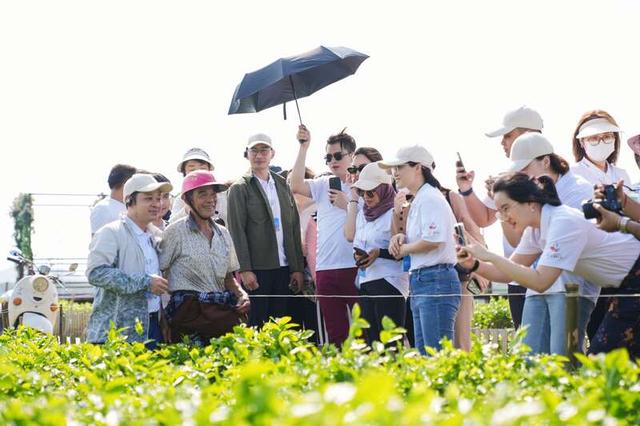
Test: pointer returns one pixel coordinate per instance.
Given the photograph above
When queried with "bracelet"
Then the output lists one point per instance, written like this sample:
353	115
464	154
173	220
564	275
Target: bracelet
622	224
475	266
466	193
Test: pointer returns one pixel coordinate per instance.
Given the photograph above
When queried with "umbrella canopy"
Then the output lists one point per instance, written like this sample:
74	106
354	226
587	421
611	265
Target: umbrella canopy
295	77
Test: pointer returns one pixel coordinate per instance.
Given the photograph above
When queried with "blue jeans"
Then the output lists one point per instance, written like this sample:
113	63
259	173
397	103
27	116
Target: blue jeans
544	315
434	317
585	307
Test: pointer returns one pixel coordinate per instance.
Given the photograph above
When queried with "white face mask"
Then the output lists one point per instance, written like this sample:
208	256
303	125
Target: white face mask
600	152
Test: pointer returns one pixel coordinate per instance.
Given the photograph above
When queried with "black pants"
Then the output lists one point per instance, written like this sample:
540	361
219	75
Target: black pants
374	309
598	312
304	313
154	334
516	303
270	282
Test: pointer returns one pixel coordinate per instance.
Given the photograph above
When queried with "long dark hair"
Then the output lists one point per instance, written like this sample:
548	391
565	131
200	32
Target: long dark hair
522	189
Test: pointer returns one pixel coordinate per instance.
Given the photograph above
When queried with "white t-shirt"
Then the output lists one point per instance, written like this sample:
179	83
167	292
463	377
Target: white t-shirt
570	242
151	262
594	175
431	219
269	187
376	234
573	190
333	249
106	211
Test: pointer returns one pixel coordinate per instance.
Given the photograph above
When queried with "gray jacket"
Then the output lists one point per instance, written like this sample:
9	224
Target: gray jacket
116	266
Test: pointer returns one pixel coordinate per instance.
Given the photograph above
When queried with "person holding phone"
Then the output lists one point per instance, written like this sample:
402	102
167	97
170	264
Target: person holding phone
563	240
429	244
335	266
482	210
384	286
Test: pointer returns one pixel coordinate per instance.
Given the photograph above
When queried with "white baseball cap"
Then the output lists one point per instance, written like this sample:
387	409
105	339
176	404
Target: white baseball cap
595	127
523	117
195	154
415	154
257	139
144	182
371	177
526	148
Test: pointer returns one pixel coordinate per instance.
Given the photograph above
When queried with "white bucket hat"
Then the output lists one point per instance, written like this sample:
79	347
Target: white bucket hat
371	177
143	182
595	127
523	117
195	154
526	148
415	154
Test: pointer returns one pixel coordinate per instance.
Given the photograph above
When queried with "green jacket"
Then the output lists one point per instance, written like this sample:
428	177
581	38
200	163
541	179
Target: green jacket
251	226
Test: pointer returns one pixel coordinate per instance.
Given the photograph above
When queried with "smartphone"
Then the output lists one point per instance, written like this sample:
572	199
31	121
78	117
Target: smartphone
334	183
459	230
459	163
474	287
359	251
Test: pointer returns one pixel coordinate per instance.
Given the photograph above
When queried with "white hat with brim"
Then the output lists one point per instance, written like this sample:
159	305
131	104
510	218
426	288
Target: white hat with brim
195	154
523	118
142	182
595	127
526	148
414	154
371	177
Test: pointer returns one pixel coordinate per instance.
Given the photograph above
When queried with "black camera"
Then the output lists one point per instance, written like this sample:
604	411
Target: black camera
610	203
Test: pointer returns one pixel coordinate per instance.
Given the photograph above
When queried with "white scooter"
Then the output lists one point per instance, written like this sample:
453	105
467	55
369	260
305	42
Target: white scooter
33	302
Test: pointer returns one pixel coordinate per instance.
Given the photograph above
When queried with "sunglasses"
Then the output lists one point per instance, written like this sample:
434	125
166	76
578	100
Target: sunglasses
338	156
369	194
355	170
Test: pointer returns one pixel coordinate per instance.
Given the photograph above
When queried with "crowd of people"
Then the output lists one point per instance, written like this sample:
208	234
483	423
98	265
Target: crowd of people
377	232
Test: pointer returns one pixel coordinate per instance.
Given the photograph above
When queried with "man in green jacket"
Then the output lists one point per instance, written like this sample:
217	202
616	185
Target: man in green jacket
265	227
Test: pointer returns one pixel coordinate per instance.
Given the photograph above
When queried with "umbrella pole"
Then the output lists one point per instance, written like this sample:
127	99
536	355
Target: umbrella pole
295	98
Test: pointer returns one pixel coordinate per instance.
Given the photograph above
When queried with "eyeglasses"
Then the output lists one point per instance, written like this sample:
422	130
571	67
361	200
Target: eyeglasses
395	169
338	156
596	139
369	194
355	170
262	151
503	211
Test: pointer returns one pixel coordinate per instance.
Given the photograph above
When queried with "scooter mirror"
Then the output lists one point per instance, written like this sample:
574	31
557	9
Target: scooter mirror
44	269
73	267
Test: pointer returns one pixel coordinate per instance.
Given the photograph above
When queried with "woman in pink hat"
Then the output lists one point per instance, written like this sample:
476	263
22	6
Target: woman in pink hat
198	258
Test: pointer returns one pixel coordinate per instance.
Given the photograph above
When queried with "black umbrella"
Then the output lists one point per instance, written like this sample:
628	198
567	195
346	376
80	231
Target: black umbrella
294	77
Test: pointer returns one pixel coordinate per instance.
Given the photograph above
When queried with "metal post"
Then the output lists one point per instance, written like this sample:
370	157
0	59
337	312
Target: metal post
571	323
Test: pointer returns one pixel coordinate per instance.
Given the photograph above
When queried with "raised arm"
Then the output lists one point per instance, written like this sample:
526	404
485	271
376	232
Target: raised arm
298	185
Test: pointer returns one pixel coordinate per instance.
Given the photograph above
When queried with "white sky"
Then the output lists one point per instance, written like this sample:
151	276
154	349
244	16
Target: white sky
85	85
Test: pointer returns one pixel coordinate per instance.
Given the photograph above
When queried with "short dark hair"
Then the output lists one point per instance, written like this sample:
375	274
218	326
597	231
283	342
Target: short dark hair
372	154
558	164
346	141
119	174
131	199
160	178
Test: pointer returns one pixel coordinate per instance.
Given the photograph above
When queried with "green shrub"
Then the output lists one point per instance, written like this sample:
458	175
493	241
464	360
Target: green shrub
495	314
275	376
